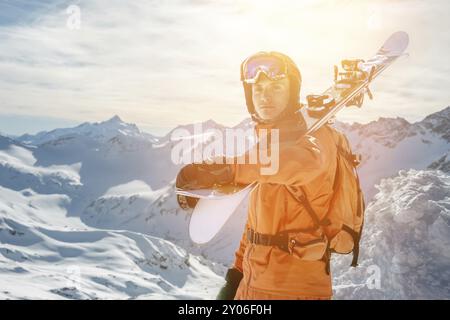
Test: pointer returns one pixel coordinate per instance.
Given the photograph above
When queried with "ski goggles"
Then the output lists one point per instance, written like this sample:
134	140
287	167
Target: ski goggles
273	66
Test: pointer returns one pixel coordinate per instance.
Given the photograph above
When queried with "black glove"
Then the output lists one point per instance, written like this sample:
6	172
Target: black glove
199	176
186	202
228	291
184	178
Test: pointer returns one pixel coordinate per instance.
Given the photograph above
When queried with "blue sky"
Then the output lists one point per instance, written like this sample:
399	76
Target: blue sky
163	63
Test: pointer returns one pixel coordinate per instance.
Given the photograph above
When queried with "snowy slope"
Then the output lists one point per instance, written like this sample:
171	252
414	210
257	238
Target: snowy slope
18	170
46	255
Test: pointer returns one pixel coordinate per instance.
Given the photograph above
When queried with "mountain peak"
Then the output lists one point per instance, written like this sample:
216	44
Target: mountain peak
114	119
438	123
442	114
101	131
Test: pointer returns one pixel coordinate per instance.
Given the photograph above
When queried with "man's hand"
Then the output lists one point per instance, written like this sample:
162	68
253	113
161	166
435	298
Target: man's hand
228	291
186	203
185	179
199	176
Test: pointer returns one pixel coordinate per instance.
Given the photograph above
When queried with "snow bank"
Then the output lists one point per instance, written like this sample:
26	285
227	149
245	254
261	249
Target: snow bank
405	247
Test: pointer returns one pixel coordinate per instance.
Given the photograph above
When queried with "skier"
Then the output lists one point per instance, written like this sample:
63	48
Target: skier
283	254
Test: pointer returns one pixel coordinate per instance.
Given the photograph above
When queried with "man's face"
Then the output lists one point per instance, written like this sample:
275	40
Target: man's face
270	97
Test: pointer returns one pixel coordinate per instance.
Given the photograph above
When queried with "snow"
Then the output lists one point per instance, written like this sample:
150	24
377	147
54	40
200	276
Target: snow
406	237
129	188
46	255
18	171
90	213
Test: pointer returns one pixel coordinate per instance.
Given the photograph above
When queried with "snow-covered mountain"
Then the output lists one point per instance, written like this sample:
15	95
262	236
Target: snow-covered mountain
111	180
443	163
100	131
389	145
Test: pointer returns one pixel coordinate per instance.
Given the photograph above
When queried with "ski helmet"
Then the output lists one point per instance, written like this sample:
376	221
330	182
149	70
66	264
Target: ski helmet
274	65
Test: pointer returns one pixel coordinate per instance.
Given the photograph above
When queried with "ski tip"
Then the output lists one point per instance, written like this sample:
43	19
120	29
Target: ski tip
395	44
401	36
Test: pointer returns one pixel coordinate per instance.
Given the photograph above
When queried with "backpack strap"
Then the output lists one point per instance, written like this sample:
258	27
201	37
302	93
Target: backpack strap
356	237
307	205
317	222
353	159
356	250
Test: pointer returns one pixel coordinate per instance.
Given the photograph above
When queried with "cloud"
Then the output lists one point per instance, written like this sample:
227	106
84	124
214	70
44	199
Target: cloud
163	63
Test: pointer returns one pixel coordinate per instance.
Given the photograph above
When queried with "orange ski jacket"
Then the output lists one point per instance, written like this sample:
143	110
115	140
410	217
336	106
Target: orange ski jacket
306	162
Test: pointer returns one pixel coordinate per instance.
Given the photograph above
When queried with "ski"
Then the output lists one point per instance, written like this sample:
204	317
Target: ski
350	86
